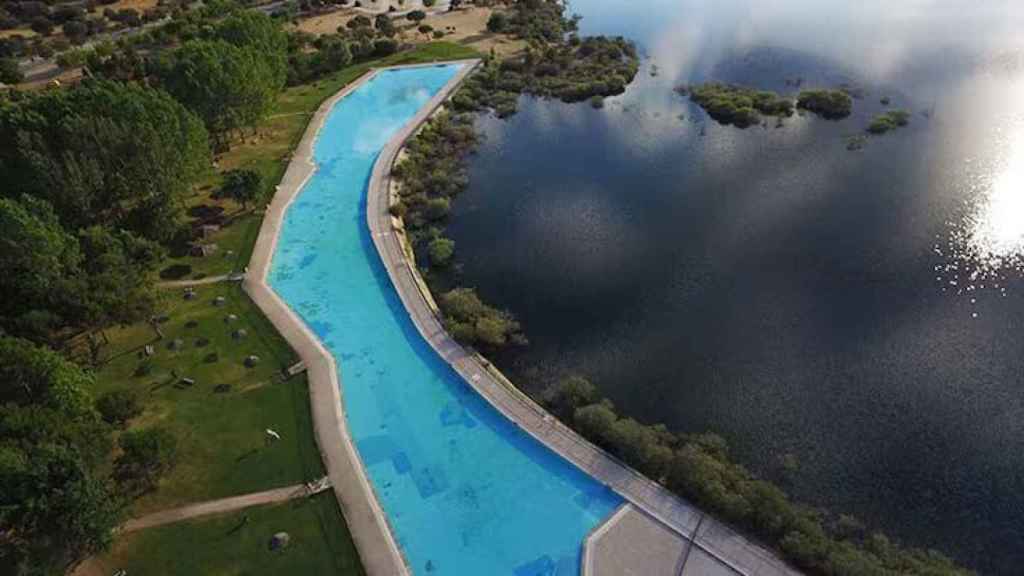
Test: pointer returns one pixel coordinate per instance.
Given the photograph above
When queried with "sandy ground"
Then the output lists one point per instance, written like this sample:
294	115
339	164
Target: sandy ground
140	5
466	26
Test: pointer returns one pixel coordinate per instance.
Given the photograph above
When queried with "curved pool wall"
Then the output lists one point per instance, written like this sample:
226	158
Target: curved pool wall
465	491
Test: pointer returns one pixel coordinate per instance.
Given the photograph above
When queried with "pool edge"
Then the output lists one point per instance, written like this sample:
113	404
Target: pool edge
367	522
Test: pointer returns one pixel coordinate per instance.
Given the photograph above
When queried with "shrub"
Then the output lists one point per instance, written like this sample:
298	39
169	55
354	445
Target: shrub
829	104
384	47
889	121
118	407
470	321
145	456
437	208
737	105
10	73
498	22
567	395
440	251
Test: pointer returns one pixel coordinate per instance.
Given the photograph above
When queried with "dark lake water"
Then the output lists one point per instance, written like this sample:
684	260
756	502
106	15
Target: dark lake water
862	311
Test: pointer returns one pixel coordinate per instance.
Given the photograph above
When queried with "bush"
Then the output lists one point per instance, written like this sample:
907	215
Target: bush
737	105
498	22
889	121
567	395
829	104
385	47
438	208
145	456
10	73
470	321
440	251
118	407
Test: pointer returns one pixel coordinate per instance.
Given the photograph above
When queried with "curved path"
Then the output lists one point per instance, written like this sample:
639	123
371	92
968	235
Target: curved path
657	509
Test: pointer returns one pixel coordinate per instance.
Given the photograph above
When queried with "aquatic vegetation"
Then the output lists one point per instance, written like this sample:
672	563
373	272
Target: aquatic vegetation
555	65
888	121
738	105
699	468
829	104
433	172
855	142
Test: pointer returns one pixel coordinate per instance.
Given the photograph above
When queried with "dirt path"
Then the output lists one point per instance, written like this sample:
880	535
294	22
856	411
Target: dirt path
199	282
215	507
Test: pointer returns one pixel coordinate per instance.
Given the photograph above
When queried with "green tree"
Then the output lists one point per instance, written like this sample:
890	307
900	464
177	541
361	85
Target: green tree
39	266
56	505
10	73
416	16
106	153
228	86
596	422
32	375
440	251
145	456
498	22
117	272
118	407
242	186
254	29
565	397
384	25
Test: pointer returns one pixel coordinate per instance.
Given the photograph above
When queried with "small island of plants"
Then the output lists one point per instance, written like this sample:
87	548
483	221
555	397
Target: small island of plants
557	63
738	105
888	121
829	104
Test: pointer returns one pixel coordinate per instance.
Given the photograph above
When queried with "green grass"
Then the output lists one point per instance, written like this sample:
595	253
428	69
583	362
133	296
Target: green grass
320	544
270	151
221	450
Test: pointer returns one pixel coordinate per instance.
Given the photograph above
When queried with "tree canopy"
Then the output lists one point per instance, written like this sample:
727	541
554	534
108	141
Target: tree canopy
51	279
104	153
56	505
231	77
229	87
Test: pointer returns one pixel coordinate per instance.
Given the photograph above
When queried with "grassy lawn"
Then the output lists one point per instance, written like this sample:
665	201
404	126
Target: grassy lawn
221	449
319	544
269	151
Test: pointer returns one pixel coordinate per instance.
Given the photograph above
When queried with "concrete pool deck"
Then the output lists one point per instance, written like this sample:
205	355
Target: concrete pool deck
654	521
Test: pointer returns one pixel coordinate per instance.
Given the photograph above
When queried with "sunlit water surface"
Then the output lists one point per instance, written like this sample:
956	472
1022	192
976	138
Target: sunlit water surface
858	310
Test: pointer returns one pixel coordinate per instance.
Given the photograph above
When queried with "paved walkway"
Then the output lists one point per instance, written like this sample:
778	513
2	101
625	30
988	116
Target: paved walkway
216	507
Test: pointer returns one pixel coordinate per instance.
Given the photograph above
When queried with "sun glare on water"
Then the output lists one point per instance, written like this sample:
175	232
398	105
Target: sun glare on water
987	249
997	231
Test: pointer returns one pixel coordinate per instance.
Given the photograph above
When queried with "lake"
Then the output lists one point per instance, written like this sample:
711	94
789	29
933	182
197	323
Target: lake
855	310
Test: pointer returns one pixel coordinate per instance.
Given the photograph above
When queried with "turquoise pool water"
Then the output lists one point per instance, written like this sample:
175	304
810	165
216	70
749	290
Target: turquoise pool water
465	491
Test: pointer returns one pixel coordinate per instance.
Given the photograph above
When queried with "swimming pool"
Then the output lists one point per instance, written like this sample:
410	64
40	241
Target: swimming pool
465	491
